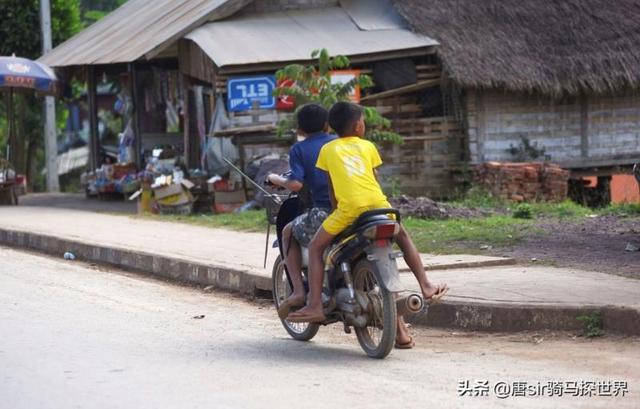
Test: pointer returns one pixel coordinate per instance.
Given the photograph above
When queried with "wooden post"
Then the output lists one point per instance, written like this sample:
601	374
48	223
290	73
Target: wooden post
480	117
135	100
584	125
186	111
94	140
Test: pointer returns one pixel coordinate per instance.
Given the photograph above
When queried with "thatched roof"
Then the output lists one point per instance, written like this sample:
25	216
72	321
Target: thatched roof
553	46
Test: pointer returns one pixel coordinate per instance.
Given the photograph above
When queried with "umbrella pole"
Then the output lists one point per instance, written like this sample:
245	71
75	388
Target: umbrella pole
10	123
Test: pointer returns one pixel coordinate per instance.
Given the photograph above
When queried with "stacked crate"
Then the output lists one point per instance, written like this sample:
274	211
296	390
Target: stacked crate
523	181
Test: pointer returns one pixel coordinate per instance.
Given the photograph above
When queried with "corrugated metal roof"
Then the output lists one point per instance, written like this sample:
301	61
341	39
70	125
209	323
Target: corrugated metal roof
374	14
292	35
139	28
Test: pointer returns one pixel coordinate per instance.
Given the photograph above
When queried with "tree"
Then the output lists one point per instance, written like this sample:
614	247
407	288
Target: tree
23	37
94	10
312	83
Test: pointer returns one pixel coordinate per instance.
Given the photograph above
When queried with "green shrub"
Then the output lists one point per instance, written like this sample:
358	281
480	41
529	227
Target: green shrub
523	211
593	325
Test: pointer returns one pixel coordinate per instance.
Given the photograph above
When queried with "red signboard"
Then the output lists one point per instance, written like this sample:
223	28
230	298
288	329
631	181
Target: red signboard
285	102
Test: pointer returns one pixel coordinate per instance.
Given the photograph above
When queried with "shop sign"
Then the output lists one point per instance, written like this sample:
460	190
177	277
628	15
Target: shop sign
243	91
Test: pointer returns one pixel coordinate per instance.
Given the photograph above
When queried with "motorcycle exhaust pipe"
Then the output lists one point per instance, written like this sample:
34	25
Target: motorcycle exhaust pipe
409	304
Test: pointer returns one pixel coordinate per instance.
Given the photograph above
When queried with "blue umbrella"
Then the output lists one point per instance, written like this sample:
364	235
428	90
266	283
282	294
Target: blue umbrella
18	72
22	73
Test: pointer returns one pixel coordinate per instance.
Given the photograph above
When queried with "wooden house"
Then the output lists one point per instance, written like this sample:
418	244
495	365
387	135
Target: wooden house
562	75
197	47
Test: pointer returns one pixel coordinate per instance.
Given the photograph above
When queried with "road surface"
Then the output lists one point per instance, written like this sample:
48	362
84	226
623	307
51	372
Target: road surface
79	336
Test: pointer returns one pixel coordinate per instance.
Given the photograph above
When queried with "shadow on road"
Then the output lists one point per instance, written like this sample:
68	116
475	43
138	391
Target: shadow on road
288	351
78	201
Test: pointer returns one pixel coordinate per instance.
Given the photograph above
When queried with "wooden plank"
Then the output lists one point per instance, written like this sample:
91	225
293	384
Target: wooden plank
402	90
240	130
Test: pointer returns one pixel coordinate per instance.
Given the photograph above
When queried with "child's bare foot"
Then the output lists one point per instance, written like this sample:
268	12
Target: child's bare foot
307	314
404	340
434	293
293	301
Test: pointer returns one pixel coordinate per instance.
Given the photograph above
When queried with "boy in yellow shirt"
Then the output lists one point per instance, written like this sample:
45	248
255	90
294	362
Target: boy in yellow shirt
353	189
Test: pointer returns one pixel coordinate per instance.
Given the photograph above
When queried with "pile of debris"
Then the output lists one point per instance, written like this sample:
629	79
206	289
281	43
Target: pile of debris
425	208
523	181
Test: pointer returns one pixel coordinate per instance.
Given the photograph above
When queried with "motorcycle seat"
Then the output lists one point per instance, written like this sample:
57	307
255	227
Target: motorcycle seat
368	218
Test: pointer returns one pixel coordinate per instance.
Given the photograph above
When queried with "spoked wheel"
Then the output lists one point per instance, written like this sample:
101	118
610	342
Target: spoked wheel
378	337
300	331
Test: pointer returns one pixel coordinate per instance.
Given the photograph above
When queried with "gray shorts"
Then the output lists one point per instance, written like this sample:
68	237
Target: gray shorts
306	225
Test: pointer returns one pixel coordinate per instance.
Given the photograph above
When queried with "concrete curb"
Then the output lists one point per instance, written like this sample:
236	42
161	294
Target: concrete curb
526	317
505	261
224	278
450	314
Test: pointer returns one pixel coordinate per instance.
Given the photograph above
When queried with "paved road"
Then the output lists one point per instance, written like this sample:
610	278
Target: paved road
76	336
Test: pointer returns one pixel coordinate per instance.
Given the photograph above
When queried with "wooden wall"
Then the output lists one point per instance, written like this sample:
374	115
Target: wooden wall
431	159
576	132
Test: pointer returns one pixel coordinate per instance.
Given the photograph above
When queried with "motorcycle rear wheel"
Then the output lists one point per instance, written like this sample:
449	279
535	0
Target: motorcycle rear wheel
300	331
378	337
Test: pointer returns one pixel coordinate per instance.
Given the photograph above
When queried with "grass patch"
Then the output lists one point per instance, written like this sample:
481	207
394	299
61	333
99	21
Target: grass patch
621	210
250	221
443	236
480	198
562	210
449	236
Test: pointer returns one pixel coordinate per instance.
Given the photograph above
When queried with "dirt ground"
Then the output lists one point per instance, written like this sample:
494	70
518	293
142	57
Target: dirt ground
595	244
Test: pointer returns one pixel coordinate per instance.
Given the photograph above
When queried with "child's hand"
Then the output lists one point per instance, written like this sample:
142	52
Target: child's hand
268	180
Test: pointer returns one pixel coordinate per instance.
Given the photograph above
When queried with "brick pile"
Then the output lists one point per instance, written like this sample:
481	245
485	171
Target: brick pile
527	181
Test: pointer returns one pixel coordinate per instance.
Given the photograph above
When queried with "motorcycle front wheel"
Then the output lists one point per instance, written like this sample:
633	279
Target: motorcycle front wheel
300	331
378	337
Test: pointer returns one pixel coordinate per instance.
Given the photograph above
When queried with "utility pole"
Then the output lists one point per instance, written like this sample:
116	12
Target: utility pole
50	140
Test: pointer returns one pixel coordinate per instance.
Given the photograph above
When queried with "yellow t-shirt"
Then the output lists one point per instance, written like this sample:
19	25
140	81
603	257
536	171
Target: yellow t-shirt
350	162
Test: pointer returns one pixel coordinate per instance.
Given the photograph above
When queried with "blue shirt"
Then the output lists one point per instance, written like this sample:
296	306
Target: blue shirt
302	161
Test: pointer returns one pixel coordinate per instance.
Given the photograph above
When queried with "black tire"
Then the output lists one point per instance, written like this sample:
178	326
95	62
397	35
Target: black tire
281	290
366	278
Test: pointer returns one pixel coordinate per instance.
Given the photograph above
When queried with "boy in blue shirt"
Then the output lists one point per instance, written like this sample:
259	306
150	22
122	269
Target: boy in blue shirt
312	123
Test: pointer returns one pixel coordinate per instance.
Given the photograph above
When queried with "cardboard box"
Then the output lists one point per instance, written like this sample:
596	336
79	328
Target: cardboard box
224	185
176	200
187	183
234	197
166	191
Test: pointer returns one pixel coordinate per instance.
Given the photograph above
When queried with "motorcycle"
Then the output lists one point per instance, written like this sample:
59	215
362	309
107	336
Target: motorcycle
362	287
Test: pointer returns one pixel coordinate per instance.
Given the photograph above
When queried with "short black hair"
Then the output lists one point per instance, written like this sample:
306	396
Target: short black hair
343	117
312	118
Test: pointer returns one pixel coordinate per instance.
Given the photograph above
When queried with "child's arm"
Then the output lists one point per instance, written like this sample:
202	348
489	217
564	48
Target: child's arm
332	195
292	185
